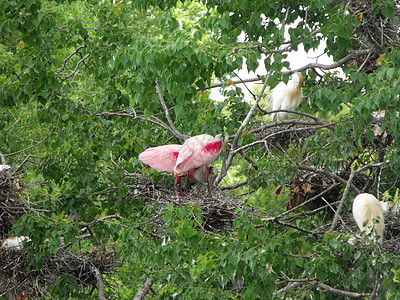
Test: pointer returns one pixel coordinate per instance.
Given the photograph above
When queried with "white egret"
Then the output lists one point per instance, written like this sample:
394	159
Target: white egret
368	214
285	96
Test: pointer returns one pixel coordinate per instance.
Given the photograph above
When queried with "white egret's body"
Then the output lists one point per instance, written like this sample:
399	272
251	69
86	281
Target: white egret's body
15	242
286	96
368	214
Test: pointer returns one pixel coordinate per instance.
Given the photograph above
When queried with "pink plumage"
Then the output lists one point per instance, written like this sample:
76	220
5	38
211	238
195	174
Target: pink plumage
188	160
199	150
162	158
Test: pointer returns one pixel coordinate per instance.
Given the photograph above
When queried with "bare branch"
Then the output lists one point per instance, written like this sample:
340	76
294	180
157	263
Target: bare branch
19	74
144	289
334	176
234	186
353	54
167	115
240	130
342	292
276	133
33	146
102	219
69	57
100	282
77	66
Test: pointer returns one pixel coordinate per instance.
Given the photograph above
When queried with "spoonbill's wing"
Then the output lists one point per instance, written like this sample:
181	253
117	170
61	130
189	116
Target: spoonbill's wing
162	158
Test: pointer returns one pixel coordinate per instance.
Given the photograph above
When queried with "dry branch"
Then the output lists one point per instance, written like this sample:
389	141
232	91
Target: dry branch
144	289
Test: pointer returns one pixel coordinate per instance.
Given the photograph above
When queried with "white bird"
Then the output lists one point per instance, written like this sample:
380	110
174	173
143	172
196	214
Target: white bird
15	242
389	207
368	214
4	168
285	96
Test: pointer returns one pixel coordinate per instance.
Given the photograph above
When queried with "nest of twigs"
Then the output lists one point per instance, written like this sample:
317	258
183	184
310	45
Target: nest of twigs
218	212
83	268
277	138
378	29
11	207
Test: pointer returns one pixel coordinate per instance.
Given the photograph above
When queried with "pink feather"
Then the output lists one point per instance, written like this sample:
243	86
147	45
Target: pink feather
199	150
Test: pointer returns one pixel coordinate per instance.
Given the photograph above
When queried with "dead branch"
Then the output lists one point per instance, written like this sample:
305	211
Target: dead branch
100	282
167	115
344	196
352	55
33	146
276	133
224	168
69	57
96	221
334	176
234	186
77	65
19	75
341	292
144	289
294	283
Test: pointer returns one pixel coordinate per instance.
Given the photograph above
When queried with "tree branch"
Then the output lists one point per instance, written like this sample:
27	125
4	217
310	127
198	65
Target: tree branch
334	176
100	282
344	196
352	54
33	146
144	289
167	115
240	130
341	292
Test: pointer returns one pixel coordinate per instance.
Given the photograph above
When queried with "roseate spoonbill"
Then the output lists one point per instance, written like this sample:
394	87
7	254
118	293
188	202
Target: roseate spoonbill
285	97
199	150
368	214
163	159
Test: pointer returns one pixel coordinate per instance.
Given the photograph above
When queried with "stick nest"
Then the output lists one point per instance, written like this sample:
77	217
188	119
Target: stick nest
15	263
218	212
377	30
11	206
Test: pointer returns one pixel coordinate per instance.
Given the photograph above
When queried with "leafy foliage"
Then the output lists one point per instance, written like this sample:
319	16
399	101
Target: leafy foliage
79	102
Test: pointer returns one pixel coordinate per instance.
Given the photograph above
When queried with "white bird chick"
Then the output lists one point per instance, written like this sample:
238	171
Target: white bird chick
286	96
389	207
368	214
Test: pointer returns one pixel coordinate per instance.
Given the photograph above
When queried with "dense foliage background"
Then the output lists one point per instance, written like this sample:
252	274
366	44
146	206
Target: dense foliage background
85	86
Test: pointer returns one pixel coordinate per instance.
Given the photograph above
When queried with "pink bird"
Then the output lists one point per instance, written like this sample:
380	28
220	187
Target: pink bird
163	159
197	151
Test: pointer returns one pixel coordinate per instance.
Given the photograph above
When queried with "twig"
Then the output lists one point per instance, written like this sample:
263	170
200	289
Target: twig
352	54
77	66
75	52
19	74
102	219
234	186
167	115
33	146
240	130
334	176
344	196
144	289
276	133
